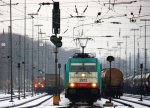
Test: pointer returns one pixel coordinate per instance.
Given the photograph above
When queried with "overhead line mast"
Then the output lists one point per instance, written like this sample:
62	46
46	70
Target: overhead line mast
11	70
24	47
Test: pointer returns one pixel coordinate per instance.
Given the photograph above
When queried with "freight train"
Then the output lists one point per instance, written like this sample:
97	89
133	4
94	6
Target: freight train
114	89
133	85
83	78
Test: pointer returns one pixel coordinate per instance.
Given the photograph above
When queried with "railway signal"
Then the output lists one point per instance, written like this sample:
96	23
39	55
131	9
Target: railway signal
56	18
110	59
56	40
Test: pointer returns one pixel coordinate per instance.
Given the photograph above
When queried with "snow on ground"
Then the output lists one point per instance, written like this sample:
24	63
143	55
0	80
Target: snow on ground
115	104
63	103
36	101
7	103
137	100
49	104
4	95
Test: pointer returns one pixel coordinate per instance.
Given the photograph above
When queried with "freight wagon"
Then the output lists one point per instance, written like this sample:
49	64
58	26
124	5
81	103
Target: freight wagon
114	89
50	84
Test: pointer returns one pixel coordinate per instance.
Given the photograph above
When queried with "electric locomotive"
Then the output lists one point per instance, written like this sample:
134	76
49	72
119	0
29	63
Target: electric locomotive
83	78
39	84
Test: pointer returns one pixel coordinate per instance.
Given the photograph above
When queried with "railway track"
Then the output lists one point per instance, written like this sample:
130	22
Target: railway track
37	102
123	103
130	103
46	100
137	96
83	105
14	97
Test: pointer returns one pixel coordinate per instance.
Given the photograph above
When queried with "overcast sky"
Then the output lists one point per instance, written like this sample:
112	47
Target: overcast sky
97	20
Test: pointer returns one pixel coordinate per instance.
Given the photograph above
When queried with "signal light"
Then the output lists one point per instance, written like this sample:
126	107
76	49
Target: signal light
35	85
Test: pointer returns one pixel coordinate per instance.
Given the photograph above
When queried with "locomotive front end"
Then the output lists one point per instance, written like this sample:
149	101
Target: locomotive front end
83	80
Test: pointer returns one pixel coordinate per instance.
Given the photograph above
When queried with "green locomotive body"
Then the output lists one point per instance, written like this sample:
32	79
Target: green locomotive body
83	79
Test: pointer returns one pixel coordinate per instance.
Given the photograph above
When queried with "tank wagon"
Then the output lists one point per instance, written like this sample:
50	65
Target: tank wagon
134	84
128	85
82	79
116	89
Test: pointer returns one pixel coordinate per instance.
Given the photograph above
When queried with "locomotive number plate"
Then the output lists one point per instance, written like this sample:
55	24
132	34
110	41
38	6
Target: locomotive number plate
83	80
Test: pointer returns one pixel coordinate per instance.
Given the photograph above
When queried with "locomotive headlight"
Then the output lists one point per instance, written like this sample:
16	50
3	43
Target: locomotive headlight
83	75
94	85
35	85
72	85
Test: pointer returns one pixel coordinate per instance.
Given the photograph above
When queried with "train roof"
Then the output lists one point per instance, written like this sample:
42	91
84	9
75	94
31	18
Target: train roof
138	76
83	55
143	75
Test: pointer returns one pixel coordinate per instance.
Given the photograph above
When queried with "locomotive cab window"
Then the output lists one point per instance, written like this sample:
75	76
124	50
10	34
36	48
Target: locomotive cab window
40	80
80	67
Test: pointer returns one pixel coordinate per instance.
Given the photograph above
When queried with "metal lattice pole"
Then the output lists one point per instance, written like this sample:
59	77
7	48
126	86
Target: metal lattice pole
126	55
11	70
145	54
38	25
32	76
134	48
